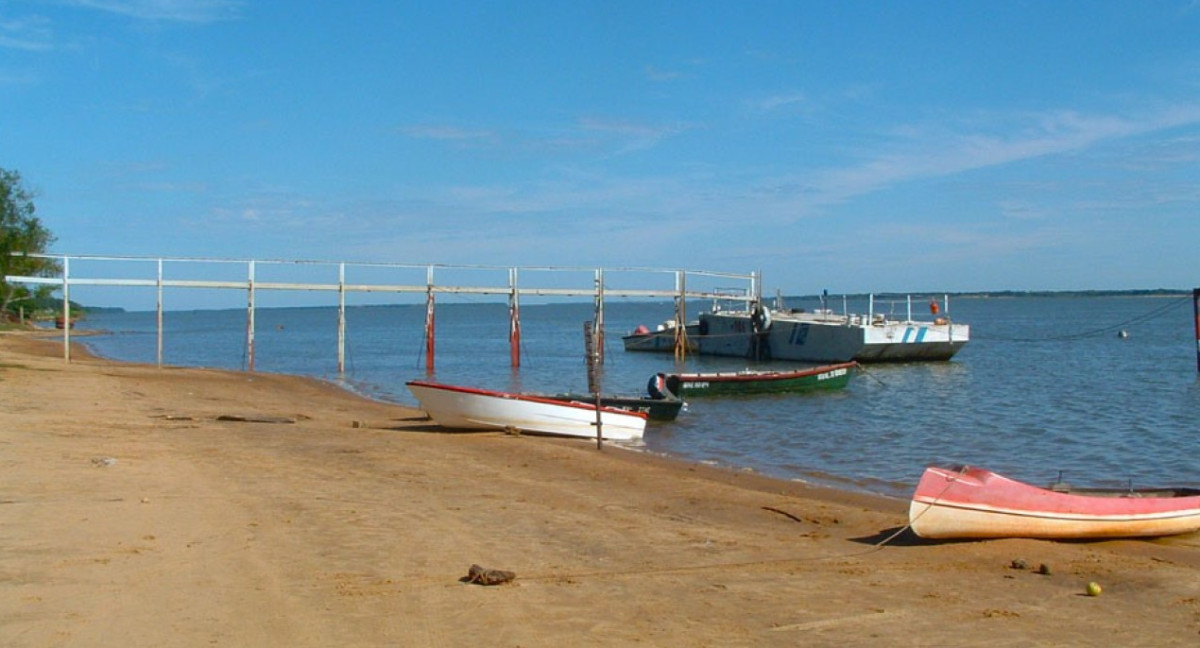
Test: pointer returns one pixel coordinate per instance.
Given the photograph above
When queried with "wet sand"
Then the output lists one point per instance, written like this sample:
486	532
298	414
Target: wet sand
186	507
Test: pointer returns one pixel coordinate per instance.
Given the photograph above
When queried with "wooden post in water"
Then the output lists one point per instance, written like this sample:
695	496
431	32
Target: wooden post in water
681	338
1196	313
514	319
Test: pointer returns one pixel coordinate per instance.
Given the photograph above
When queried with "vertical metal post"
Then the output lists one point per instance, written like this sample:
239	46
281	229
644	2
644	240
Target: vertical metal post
67	309
593	376
341	318
250	318
1196	312
159	313
599	423
910	308
514	319
598	331
430	322
946	317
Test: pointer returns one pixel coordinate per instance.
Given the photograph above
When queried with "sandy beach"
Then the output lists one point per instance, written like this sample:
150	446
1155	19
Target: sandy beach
186	507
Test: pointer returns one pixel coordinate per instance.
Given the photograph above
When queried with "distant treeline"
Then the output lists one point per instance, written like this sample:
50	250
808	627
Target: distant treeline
51	305
47	305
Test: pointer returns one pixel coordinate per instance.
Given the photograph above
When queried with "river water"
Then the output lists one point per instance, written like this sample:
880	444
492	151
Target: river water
1047	384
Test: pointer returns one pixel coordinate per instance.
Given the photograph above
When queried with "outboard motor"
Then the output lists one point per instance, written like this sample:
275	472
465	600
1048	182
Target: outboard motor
659	387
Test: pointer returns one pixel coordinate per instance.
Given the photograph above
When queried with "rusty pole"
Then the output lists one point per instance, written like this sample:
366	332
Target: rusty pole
1196	313
514	317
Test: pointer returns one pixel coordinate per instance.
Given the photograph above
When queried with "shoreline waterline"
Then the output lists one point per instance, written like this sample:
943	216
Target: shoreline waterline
1029	396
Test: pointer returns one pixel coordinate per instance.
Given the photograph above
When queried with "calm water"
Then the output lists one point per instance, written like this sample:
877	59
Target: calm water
1046	384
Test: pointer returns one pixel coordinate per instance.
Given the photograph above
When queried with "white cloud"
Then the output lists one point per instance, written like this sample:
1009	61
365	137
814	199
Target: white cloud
931	153
446	133
637	136
776	102
31	34
655	74
191	11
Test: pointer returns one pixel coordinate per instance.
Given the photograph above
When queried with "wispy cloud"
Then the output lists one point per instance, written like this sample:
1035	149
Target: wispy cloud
776	102
447	132
657	74
189	11
637	136
930	153
31	34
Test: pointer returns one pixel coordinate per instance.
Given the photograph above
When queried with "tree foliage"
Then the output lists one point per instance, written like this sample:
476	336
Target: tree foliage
21	234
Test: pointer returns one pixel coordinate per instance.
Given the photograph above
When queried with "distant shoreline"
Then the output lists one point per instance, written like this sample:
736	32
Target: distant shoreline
991	294
1003	294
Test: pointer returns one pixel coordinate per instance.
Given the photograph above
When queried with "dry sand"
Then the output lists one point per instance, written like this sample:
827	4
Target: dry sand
131	515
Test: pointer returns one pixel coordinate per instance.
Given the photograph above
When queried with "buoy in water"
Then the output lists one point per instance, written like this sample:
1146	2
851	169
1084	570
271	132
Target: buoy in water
1123	334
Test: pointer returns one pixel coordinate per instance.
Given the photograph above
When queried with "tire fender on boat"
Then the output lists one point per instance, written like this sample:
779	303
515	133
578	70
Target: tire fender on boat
760	318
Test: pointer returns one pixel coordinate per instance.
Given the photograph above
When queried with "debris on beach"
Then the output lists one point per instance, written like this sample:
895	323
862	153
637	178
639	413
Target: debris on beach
103	462
255	418
482	576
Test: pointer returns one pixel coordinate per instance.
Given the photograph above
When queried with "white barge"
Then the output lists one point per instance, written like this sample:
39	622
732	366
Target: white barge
763	333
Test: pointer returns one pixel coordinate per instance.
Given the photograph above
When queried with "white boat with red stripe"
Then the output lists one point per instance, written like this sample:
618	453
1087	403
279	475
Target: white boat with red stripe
470	408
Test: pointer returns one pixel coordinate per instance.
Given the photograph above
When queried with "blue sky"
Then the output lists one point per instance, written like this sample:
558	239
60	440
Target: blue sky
849	146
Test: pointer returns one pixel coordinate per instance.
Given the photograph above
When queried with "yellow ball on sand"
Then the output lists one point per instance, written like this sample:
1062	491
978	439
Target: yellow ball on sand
1093	589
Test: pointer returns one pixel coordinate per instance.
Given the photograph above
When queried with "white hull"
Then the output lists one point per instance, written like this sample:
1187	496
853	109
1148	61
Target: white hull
477	409
816	337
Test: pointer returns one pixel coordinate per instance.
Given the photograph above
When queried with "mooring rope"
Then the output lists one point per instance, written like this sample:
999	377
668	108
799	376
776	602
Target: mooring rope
1145	317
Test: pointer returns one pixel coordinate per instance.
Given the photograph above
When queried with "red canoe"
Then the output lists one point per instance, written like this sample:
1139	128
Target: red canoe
968	502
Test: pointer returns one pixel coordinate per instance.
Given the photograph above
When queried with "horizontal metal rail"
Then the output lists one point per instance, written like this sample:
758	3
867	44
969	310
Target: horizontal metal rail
510	285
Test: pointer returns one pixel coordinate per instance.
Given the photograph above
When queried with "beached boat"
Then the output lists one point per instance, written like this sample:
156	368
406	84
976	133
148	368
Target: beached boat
825	377
663	338
764	333
656	409
969	502
481	409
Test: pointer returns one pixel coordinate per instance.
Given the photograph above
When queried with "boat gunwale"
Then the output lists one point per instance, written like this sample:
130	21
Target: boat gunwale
1168	514
760	375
